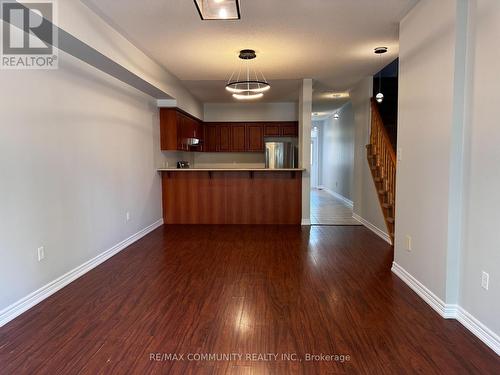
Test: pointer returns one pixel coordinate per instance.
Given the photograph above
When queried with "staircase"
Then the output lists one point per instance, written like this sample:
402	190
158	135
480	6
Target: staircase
382	162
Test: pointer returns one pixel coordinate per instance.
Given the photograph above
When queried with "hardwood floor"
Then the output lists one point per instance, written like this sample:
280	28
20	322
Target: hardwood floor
242	289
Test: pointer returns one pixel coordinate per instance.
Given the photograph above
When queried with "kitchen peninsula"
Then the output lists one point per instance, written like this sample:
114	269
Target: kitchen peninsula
232	196
238	195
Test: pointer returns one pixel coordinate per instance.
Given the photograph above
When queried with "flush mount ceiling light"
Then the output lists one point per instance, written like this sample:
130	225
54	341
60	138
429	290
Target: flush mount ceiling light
251	85
218	9
336	116
380	97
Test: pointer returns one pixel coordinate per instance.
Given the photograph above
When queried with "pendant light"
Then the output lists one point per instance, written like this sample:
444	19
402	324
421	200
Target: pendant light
380	97
247	84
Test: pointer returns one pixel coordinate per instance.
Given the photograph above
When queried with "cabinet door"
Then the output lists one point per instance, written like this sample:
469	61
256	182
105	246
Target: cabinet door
255	137
289	129
224	138
238	139
272	130
211	138
182	132
168	130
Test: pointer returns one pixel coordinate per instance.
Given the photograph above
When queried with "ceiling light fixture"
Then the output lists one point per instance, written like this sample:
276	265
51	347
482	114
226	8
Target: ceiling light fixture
254	86
339	95
248	96
380	97
336	116
218	9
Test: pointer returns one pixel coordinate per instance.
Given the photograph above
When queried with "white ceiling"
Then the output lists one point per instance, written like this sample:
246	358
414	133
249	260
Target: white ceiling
331	41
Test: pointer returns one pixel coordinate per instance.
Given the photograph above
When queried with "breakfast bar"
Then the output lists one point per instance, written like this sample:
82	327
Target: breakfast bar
232	196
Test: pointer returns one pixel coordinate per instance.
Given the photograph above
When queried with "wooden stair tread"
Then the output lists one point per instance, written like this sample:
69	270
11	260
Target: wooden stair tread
390	220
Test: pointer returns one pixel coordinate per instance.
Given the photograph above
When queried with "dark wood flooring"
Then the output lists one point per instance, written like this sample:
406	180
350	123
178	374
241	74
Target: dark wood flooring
242	289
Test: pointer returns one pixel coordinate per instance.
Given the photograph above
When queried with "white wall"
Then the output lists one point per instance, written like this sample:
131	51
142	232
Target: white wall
447	185
250	112
305	127
426	89
365	196
337	152
78	149
80	21
481	249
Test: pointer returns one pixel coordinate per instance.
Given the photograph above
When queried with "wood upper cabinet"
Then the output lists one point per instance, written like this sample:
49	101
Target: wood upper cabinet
238	138
168	129
289	129
271	130
211	138
176	127
255	137
223	138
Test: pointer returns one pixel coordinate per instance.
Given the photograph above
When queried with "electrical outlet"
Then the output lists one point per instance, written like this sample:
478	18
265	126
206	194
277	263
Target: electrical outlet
408	243
336	184
41	253
400	154
485	280
127	216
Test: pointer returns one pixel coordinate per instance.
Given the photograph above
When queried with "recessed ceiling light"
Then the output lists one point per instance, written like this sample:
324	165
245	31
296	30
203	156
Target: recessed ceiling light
223	13
218	9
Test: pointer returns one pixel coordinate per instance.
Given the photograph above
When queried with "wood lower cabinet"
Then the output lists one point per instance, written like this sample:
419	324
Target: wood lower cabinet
232	197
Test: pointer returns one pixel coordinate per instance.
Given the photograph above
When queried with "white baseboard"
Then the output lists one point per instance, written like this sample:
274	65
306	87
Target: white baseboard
305	222
337	195
449	311
446	311
26	303
482	332
379	232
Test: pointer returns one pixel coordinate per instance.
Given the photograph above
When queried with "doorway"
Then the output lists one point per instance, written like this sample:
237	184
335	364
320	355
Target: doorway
332	169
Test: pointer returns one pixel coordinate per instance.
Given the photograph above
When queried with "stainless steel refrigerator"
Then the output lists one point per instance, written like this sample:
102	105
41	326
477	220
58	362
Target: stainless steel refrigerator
281	153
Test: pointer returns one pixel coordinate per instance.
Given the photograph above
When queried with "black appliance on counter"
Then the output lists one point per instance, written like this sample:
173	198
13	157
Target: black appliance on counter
182	164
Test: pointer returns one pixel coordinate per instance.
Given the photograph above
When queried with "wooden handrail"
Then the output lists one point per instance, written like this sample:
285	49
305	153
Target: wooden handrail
380	124
382	159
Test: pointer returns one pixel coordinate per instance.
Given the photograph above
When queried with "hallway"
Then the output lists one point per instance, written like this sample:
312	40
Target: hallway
329	210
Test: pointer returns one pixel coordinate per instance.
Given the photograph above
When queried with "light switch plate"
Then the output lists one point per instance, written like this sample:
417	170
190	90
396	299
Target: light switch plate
408	243
485	280
41	253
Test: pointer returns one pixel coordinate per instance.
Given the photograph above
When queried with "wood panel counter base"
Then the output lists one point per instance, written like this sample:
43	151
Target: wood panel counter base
232	197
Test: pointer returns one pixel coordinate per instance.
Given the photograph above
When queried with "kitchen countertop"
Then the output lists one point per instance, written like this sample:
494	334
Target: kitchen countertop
230	170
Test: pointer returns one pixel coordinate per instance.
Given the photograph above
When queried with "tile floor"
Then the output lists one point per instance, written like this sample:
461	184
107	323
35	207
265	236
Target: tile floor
329	210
